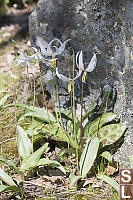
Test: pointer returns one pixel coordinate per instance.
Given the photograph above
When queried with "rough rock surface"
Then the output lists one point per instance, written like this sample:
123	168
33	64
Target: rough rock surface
101	26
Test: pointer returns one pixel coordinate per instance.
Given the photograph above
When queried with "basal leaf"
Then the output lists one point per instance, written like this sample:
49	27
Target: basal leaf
88	156
111	133
57	133
40	114
4	188
6	178
110	181
4	99
33	160
24	143
35	128
107	155
9	162
51	163
91	129
73	179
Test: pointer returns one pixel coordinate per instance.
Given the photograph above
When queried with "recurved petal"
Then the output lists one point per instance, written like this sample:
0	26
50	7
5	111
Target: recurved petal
61	76
79	60
92	64
42	44
78	74
61	48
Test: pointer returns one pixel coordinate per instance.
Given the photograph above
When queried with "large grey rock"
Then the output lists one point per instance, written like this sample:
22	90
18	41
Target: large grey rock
101	26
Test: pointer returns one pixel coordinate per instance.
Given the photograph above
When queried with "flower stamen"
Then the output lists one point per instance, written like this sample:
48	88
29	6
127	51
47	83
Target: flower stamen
69	87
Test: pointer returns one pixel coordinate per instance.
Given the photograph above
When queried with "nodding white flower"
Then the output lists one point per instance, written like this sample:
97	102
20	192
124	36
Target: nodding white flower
91	66
46	49
23	59
66	79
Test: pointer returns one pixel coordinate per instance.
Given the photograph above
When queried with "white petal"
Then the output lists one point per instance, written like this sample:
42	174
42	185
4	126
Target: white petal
42	44
62	77
79	60
78	74
92	64
61	48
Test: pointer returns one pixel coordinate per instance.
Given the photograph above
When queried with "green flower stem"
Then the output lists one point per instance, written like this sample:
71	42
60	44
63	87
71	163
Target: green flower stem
107	97
74	124
55	98
58	103
34	99
81	128
44	96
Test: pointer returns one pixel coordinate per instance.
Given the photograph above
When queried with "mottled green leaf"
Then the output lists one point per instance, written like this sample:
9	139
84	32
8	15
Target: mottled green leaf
91	129
110	181
33	160
73	179
88	156
24	143
107	155
111	133
6	178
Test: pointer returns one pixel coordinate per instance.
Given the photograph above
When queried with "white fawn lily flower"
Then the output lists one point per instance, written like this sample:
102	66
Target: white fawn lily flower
23	59
38	57
66	79
91	66
46	49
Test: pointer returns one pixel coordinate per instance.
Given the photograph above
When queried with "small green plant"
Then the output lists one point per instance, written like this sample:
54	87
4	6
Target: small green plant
85	140
29	161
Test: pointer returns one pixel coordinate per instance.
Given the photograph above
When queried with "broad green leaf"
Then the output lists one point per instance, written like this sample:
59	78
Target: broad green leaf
88	156
73	179
51	163
4	99
4	188
33	160
107	155
91	108
40	114
6	178
24	143
110	181
111	133
35	128
57	133
10	163
91	129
